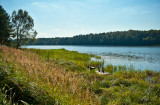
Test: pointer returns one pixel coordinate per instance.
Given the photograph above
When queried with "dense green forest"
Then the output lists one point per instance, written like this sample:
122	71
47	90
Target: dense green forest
131	37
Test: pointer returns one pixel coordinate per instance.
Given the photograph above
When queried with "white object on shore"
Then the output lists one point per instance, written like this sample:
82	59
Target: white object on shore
101	73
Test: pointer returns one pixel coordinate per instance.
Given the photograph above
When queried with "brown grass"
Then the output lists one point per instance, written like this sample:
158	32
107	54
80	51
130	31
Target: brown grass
66	87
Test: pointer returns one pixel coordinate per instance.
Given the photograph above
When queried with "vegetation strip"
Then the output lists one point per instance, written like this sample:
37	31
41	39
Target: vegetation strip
118	38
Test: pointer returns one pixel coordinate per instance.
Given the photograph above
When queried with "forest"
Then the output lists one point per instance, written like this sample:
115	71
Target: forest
128	38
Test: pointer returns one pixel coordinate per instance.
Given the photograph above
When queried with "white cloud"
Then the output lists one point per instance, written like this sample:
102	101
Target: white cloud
135	10
40	4
42	33
48	5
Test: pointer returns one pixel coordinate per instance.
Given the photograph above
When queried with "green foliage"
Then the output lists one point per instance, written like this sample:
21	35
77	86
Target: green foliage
23	25
97	87
5	27
149	72
15	88
126	86
104	100
133	90
94	63
106	84
109	68
130	37
6	99
71	60
122	68
115	68
43	81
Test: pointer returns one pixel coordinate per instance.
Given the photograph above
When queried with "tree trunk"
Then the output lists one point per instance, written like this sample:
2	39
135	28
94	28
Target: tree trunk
17	46
17	39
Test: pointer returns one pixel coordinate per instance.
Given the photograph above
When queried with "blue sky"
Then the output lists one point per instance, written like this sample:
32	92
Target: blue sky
66	18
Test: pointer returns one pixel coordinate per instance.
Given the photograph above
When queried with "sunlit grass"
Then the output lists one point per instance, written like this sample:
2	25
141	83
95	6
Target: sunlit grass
62	87
62	77
71	60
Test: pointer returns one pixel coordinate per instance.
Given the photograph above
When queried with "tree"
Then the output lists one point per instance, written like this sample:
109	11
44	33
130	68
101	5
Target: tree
125	38
5	27
23	25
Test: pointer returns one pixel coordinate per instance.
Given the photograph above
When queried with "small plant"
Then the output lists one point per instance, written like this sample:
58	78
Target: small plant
122	68
109	68
115	69
95	63
106	84
7	96
104	100
149	72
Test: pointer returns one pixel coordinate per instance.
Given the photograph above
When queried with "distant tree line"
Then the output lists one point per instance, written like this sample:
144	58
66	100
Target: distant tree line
130	37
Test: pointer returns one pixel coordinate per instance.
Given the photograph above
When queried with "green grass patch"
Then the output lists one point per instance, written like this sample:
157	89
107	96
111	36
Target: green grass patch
71	60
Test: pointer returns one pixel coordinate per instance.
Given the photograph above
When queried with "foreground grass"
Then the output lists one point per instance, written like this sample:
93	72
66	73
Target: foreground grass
61	77
43	82
130	87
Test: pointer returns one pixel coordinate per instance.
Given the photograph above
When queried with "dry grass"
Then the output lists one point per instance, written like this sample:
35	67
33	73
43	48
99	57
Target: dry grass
64	87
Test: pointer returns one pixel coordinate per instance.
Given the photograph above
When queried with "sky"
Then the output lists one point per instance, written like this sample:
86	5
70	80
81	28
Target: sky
67	18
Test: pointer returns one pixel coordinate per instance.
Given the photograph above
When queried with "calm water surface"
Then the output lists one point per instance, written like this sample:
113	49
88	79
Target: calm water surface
140	57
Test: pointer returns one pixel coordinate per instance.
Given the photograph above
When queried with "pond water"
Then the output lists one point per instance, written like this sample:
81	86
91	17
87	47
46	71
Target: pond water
141	58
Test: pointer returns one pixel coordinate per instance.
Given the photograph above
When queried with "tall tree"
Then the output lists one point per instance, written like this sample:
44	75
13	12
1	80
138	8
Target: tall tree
5	27
23	25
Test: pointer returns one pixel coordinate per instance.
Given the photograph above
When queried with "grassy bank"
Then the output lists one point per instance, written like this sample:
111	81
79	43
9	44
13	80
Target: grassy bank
70	60
48	77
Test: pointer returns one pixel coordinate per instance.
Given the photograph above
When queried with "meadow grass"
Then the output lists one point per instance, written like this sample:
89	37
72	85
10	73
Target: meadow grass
46	82
71	60
61	77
